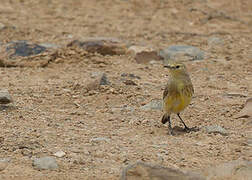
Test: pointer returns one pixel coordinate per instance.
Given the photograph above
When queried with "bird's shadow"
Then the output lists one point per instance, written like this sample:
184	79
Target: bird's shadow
177	130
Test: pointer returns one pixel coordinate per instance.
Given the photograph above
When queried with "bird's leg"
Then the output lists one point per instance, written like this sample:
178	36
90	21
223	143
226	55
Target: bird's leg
186	128
166	118
169	125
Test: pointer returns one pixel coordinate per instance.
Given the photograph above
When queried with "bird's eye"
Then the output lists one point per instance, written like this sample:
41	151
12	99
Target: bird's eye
177	66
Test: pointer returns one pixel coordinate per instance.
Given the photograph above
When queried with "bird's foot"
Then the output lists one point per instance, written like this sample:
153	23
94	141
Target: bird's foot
170	132
193	129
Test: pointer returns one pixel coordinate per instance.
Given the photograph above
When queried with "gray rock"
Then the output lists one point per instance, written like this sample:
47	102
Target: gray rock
98	79
212	41
216	129
99	139
23	49
45	163
155	104
101	77
4	162
231	170
104	80
143	171
5	97
182	52
130	75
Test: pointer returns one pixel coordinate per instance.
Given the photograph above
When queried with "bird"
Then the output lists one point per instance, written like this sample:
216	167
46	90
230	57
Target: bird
177	94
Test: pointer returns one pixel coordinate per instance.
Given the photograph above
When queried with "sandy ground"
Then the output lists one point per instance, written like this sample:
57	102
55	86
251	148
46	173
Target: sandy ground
104	130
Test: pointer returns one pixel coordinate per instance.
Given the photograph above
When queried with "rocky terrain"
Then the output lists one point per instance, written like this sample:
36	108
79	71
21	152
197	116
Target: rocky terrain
82	82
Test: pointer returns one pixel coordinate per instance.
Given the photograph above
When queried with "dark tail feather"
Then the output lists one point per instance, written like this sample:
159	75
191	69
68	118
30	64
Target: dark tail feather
165	119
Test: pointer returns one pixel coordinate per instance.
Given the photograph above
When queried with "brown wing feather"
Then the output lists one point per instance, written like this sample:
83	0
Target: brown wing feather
166	91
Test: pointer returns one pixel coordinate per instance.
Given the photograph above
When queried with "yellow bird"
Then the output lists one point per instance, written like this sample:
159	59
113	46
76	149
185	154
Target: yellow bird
178	92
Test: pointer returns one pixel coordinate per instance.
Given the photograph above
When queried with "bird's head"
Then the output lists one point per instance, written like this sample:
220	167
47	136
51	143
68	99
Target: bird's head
176	68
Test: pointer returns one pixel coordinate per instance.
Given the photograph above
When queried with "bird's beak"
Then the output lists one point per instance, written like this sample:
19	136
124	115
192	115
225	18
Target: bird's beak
167	66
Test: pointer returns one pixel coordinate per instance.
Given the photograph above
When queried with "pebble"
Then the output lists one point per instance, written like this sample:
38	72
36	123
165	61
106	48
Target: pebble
213	41
101	76
99	139
98	79
59	154
155	104
180	52
45	163
216	129
5	97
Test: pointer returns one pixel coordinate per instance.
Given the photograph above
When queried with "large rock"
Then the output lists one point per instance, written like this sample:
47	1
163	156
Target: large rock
143	54
23	49
4	162
101	45
5	97
182	53
45	163
143	171
234	170
246	111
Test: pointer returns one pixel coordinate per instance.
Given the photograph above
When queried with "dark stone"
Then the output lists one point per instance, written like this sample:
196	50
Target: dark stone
23	49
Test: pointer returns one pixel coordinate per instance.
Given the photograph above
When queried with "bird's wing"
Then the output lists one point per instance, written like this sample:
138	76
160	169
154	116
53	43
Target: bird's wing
166	91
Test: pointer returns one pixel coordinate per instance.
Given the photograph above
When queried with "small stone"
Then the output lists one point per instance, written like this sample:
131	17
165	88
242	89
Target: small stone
235	94
45	163
212	41
143	54
98	79
59	154
4	162
99	139
5	97
216	129
129	82
249	142
130	75
104	80
182	52
155	104
144	171
101	45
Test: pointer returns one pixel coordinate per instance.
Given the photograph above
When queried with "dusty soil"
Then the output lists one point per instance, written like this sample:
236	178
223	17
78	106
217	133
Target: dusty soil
52	110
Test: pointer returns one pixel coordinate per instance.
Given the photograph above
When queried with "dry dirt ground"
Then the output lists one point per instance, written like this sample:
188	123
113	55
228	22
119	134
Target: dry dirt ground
104	130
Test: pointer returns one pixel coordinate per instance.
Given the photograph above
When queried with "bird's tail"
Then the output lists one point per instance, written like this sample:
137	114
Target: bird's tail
165	118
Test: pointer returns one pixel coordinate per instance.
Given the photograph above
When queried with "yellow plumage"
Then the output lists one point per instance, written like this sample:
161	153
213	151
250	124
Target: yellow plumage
178	92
